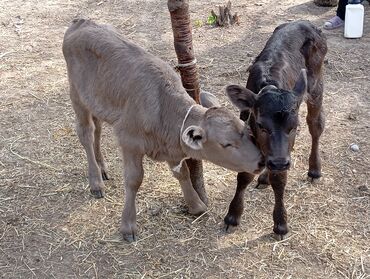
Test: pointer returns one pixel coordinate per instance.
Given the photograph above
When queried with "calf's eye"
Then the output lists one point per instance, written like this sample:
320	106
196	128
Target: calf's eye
226	145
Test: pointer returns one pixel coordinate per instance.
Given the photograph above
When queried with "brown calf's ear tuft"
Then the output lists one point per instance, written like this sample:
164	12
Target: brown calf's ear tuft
194	137
241	97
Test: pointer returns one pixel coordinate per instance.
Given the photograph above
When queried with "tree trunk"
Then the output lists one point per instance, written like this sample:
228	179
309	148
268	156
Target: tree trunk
225	18
181	27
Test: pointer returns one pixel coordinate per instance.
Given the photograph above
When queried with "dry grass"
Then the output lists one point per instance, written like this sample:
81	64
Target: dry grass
52	228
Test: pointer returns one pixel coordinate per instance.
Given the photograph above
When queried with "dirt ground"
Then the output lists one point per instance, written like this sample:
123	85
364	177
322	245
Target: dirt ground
51	227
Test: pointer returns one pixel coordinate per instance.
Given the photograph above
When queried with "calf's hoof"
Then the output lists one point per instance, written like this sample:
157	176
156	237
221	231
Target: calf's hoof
129	237
281	231
280	237
96	188
231	223
198	208
128	232
97	193
261	186
314	174
313	177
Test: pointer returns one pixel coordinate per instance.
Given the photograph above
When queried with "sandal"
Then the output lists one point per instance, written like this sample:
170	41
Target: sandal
334	23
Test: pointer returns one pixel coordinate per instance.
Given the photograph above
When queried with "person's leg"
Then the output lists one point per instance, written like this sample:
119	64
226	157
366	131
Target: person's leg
341	10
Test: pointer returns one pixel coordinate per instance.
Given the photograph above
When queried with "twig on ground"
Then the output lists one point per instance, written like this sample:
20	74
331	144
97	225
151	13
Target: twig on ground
30	160
5	53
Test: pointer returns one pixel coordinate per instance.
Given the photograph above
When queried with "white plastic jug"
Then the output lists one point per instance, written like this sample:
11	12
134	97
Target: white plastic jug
354	21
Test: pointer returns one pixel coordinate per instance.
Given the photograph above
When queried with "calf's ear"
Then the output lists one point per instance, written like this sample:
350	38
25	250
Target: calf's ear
208	100
194	137
300	86
241	97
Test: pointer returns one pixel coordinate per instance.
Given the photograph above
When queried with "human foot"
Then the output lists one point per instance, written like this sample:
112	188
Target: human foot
334	23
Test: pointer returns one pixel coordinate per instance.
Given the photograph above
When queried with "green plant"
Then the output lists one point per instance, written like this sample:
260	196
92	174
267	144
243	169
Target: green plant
211	20
198	23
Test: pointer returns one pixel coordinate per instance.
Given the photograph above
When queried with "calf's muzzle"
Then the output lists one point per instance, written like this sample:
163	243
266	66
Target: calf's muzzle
278	164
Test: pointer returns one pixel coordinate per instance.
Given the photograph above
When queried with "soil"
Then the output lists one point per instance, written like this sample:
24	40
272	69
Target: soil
50	225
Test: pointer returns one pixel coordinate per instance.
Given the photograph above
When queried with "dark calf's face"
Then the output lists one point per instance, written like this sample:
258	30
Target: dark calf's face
274	122
273	119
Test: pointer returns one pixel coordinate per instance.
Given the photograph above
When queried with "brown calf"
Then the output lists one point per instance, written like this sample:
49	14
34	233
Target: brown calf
289	65
113	80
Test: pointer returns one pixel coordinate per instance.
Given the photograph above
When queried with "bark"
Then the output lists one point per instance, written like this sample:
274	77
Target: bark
183	42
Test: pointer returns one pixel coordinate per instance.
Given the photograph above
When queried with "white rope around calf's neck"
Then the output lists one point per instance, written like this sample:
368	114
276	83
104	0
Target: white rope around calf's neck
186	116
178	167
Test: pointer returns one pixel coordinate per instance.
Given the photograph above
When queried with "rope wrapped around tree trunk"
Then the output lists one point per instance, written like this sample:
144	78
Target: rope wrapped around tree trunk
183	42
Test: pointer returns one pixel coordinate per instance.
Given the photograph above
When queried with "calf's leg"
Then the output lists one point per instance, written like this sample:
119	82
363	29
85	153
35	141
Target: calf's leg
195	204
98	155
278	182
263	180
133	177
316	123
232	219
85	130
196	177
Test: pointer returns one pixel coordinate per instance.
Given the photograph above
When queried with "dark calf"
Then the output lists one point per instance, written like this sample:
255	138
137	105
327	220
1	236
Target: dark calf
289	65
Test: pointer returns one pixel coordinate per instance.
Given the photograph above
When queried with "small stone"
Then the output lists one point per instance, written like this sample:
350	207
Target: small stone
352	116
155	211
102	241
354	147
363	188
28	48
